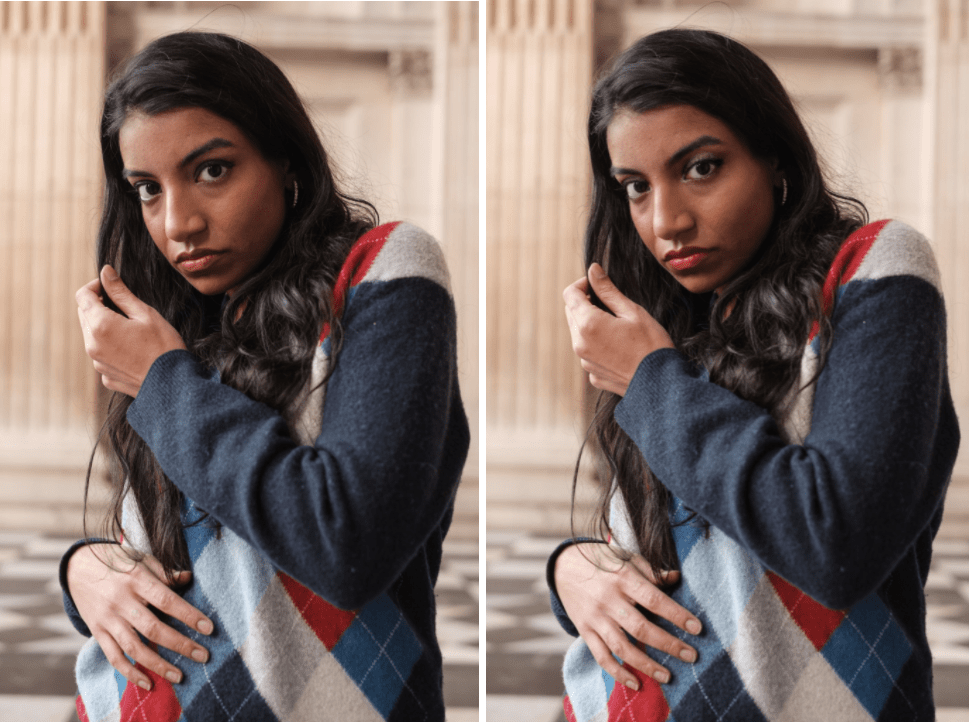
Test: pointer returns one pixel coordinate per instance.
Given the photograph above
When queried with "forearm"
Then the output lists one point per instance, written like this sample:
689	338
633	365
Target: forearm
835	514
345	515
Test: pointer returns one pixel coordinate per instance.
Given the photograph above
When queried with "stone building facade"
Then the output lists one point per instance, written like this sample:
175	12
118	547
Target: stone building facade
393	88
883	87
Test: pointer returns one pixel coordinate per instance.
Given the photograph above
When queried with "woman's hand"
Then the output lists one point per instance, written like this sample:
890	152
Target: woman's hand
123	349
600	592
610	348
112	594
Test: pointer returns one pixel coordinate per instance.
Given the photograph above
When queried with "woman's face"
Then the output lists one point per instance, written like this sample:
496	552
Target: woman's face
211	202
700	201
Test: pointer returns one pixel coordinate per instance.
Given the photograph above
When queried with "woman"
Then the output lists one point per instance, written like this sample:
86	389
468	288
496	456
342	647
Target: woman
286	430
775	413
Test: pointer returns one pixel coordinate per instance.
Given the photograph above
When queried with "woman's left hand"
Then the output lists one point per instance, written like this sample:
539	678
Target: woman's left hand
610	347
123	349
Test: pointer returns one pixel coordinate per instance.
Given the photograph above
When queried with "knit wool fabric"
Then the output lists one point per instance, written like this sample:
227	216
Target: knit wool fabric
352	497
809	582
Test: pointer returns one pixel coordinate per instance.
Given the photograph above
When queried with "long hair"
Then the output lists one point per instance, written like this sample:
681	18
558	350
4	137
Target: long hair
751	339
262	340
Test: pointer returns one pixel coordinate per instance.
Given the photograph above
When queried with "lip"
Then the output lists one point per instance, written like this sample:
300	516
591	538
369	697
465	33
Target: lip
196	260
686	257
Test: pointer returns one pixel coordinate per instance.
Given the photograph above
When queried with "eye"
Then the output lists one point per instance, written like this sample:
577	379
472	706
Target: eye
635	188
147	190
703	168
213	171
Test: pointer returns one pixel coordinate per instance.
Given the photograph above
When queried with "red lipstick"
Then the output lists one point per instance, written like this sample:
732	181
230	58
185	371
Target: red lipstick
687	257
195	261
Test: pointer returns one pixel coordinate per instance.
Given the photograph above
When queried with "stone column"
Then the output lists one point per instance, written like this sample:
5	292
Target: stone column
455	180
539	58
51	81
947	78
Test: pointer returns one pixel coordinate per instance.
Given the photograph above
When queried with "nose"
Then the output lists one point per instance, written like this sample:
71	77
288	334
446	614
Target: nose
183	216
672	214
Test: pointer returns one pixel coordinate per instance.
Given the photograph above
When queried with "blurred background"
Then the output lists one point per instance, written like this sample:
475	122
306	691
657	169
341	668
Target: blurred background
393	89
882	86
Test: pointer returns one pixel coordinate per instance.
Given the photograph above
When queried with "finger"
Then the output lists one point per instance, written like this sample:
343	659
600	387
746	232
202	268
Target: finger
116	289
604	658
89	293
118	660
608	293
576	294
660	577
160	596
130	643
654	637
154	630
651	598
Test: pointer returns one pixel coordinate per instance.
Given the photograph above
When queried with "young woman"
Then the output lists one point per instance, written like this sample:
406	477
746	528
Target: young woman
286	430
775	413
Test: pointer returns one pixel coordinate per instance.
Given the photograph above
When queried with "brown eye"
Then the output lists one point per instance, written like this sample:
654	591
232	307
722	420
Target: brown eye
213	172
703	168
147	190
636	188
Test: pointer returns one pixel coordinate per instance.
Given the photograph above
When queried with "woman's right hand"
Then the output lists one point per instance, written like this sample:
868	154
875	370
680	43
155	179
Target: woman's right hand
600	591
112	594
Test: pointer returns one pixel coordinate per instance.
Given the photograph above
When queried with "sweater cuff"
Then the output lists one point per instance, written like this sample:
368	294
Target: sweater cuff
153	389
557	608
657	372
69	607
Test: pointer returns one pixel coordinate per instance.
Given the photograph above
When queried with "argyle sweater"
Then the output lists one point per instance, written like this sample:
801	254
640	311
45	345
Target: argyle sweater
809	583
320	581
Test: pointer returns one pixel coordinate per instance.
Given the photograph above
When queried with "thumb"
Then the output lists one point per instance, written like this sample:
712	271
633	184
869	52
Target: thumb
608	293
116	289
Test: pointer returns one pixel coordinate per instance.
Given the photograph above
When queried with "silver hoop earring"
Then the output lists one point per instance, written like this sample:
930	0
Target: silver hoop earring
296	193
784	190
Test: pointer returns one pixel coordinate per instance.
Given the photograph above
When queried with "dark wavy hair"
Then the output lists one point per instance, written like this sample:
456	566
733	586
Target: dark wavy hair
262	340
752	337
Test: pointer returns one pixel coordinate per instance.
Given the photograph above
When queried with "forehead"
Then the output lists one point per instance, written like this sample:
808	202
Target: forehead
167	137
656	134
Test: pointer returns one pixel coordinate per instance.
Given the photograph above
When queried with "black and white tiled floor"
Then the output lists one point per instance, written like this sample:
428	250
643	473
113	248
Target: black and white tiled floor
38	645
525	645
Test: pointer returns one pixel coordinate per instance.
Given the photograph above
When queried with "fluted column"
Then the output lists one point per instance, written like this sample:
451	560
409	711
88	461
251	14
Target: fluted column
948	80
539	56
456	180
51	81
538	74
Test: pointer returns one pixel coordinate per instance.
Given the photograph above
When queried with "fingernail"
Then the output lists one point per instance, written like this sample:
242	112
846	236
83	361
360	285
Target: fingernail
661	676
205	626
632	684
173	677
688	655
199	655
145	685
693	626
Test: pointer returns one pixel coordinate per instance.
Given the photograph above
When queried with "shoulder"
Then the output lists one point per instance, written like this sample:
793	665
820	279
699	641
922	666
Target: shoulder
880	250
392	251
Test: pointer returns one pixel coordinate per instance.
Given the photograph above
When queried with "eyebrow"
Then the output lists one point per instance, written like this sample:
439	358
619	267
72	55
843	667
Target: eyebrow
689	148
201	150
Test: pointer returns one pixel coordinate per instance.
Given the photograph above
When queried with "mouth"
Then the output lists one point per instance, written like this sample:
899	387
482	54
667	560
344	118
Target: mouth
196	260
686	257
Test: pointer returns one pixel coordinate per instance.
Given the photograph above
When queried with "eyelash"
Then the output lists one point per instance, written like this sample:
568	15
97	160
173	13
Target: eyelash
224	164
716	163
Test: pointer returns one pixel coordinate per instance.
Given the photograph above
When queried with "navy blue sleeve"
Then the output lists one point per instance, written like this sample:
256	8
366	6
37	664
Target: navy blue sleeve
346	515
835	514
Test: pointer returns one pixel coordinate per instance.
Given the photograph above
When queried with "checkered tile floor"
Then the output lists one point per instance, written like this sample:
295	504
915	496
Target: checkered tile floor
38	645
525	645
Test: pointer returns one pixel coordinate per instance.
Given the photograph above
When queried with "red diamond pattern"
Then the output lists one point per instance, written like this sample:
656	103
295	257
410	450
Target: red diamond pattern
158	705
816	621
647	705
326	621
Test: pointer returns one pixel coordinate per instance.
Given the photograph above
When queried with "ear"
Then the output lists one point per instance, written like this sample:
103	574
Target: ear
289	177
